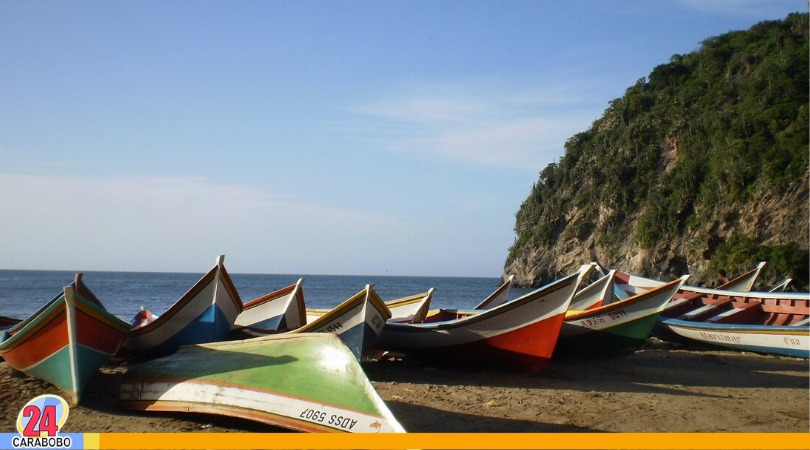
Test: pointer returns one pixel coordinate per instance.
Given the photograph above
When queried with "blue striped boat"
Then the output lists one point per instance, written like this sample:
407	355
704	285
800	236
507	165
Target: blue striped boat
204	314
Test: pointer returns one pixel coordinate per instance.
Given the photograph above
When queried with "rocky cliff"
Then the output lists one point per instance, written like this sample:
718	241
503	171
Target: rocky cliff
701	165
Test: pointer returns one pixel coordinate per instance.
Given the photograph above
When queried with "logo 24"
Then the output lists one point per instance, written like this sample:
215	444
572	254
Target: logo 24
39	422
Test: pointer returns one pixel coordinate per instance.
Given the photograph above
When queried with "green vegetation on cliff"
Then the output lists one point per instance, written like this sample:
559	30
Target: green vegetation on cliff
710	129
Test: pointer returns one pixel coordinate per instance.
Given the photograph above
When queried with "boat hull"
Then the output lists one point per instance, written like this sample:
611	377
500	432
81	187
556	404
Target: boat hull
527	349
305	382
279	311
357	321
615	329
618	340
205	313
779	340
519	335
66	342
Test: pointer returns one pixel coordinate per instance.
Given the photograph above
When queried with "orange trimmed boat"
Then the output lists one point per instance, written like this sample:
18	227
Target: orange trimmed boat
66	341
282	310
500	296
518	335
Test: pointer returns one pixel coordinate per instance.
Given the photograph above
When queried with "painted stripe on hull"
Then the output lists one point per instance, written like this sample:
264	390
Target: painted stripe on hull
790	341
46	341
54	369
191	319
618	340
526	349
98	336
210	326
66	341
293	409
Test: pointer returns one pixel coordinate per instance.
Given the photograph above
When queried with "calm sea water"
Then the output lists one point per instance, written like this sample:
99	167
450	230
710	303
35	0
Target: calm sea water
23	291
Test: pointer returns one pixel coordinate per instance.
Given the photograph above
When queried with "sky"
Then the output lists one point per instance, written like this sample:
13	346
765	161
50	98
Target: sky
307	137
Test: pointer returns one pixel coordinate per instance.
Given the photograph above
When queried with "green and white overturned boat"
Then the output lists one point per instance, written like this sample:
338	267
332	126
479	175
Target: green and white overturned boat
307	382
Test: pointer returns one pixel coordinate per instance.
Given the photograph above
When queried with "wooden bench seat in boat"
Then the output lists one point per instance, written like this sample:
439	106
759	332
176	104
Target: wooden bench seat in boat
740	313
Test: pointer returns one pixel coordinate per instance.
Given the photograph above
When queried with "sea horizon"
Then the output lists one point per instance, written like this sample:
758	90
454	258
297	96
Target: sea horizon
123	293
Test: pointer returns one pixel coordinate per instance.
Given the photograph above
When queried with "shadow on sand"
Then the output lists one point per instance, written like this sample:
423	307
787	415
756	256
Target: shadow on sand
649	371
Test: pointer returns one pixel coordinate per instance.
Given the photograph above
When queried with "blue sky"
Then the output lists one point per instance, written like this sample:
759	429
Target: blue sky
307	137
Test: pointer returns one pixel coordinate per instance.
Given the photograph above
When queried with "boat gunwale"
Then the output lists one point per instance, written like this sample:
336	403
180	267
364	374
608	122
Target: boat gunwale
738	327
626	302
486	314
157	379
268	297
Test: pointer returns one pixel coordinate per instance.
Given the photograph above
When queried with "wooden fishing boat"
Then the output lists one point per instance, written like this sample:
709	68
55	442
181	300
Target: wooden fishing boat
596	294
413	308
499	297
616	328
306	382
518	335
766	322
782	286
582	299
66	341
626	284
143	317
279	311
205	313
358	321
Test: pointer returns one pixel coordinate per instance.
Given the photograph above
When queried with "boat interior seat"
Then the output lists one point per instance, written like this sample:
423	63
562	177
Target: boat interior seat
706	310
740	313
443	315
801	323
777	319
785	311
678	306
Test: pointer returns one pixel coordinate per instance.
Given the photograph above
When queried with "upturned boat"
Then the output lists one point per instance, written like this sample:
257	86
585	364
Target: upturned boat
65	341
205	313
617	328
765	322
276	312
518	335
306	382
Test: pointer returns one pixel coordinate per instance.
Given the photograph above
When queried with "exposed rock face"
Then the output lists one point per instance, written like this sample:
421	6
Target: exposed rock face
770	219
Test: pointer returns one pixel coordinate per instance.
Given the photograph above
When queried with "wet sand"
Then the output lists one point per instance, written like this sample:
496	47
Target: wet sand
662	388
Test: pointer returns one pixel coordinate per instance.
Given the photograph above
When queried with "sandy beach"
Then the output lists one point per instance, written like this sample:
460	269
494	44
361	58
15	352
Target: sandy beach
662	388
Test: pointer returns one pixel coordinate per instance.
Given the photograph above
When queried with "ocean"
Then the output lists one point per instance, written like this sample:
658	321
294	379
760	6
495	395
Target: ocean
22	292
